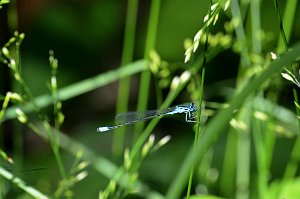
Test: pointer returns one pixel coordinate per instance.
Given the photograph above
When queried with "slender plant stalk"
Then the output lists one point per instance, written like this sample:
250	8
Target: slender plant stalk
124	84
256	26
18	141
59	161
228	174
240	32
197	133
146	75
282	33
243	163
244	115
201	91
286	24
261	156
262	150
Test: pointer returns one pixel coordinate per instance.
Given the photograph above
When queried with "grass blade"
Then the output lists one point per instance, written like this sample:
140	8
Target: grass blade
82	87
21	184
124	84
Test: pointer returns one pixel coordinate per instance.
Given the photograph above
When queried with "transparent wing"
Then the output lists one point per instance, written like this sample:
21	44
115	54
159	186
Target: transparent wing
131	117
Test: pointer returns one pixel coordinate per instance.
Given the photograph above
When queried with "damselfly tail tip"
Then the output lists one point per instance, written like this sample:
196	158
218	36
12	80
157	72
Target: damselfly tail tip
102	129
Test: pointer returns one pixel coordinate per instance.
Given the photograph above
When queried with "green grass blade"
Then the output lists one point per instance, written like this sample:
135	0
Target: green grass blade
124	84
240	32
82	87
261	158
146	75
228	174
256	26
286	24
21	184
201	92
243	156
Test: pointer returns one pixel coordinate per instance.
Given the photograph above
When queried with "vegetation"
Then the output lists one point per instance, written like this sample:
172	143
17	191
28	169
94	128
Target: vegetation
242	74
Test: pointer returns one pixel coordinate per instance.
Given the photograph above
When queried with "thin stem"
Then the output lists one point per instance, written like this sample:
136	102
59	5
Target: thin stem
287	23
146	75
21	184
256	26
260	152
262	144
201	91
197	133
282	33
124	84
59	161
240	32
243	138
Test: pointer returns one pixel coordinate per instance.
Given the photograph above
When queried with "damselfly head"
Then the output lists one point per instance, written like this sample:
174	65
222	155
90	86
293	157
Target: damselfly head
192	107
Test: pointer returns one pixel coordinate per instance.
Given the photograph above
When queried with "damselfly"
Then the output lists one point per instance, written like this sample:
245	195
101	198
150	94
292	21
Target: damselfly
132	117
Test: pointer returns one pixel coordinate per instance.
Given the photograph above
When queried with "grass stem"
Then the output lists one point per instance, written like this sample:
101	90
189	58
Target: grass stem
146	75
124	84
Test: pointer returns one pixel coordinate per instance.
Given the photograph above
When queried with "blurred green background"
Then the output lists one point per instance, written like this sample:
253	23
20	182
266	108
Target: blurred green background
87	38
